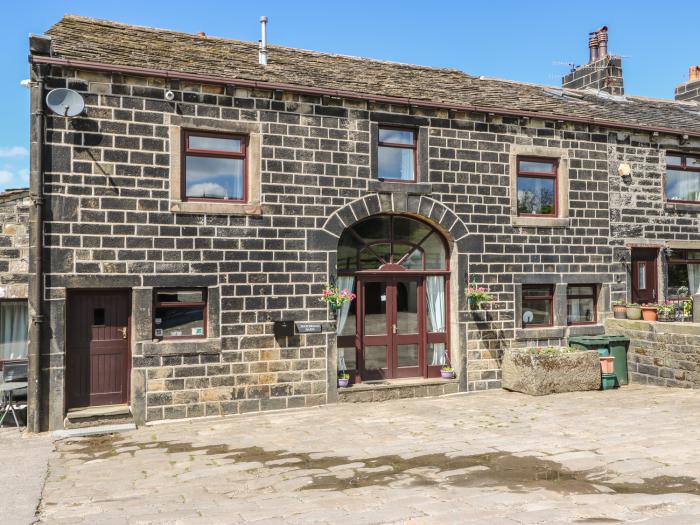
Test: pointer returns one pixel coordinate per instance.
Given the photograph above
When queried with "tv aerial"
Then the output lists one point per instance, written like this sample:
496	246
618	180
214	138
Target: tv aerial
65	102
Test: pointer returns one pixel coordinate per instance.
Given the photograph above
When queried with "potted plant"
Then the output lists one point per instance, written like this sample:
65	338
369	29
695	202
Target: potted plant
649	312
343	379
688	308
447	372
619	309
634	311
477	295
336	297
666	312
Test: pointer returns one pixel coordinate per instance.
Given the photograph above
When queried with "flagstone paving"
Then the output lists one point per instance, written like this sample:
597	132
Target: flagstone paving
629	455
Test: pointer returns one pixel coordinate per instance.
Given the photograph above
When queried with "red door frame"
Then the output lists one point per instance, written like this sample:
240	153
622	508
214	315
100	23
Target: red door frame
424	337
649	258
71	296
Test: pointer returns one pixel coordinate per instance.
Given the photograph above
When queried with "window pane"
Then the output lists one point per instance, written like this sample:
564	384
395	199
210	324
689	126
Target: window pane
349	356
375	309
214	143
642	275
535	196
673	160
396	136
214	178
407	307
536	311
411	230
396	163
407	355
179	322
682	185
580	310
692	162
434	250
529	166
435	301
375	229
579	290
678	278
537	291
375	357
693	255
13	330
370	261
180	296
414	261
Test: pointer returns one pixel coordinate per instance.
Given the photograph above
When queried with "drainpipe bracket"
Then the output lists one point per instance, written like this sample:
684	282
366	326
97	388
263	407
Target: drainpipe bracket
38	319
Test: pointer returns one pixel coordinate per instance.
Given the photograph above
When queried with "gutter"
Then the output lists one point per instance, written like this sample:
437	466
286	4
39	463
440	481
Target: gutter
36	287
341	93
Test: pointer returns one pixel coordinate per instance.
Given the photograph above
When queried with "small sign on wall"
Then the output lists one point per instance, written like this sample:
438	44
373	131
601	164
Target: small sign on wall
308	328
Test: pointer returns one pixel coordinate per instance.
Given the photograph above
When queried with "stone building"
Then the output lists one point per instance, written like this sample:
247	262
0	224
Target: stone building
194	212
14	277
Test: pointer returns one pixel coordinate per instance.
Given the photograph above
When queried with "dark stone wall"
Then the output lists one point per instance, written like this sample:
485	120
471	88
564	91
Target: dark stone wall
109	224
604	75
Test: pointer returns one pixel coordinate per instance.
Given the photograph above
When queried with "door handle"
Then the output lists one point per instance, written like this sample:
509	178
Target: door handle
393	328
123	331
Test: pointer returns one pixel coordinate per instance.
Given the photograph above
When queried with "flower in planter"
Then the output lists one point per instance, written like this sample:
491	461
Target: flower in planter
688	307
477	295
337	297
447	372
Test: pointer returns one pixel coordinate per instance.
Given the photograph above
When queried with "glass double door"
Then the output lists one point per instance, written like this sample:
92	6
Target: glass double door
393	327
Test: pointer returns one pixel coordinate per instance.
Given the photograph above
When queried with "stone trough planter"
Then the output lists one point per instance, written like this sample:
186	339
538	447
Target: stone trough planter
539	374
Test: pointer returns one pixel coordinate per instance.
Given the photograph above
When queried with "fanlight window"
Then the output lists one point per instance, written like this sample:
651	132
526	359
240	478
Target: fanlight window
391	239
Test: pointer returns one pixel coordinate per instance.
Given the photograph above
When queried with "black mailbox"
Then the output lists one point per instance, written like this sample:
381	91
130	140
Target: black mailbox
283	328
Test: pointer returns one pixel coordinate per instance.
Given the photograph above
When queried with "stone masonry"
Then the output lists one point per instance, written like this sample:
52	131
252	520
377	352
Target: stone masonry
14	242
109	223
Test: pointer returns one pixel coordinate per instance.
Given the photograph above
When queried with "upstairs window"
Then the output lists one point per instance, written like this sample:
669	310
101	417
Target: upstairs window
537	187
180	313
397	154
214	167
682	180
537	304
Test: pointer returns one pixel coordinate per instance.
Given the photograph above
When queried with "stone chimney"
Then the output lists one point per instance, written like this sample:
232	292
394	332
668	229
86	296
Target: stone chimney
603	71
690	90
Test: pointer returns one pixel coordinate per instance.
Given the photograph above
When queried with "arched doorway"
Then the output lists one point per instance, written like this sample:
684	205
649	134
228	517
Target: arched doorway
397	327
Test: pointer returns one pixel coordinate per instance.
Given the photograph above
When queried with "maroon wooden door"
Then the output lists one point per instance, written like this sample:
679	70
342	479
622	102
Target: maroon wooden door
644	275
392	327
97	352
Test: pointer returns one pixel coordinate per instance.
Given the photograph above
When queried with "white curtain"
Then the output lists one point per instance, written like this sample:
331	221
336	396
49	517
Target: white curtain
574	311
406	164
13	330
435	291
694	279
349	283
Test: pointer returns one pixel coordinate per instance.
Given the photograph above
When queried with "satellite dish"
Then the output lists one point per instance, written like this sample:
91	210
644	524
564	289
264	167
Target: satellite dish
65	102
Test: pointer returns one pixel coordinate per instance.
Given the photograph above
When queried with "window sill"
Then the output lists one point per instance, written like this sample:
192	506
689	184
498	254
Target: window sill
586	329
173	348
682	206
544	332
540	222
215	208
420	188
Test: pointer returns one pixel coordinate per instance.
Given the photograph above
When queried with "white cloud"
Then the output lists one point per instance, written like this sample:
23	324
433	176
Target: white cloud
14	151
6	177
207	189
14	179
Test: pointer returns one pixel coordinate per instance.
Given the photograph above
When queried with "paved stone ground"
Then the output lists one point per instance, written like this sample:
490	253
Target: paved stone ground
630	455
23	462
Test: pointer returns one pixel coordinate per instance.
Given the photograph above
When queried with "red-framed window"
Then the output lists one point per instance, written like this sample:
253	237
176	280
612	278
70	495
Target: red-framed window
683	273
14	330
214	167
180	313
537	305
396	153
537	186
581	305
682	178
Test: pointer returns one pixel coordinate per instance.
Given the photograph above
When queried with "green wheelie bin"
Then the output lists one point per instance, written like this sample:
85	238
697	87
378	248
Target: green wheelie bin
618	345
591	342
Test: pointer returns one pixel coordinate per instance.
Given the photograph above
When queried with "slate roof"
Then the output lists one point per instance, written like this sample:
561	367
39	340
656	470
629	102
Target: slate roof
106	42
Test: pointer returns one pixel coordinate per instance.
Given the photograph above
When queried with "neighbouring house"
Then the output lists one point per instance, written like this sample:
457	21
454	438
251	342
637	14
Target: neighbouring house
193	213
14	274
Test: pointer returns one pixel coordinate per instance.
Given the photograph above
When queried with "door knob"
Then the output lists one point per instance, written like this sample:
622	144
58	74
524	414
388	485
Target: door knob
123	331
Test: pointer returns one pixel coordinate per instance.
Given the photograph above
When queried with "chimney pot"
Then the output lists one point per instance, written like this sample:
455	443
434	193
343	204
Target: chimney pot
602	42
592	47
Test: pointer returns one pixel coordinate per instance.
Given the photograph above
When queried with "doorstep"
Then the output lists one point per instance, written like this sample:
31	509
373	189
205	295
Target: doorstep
370	391
98	416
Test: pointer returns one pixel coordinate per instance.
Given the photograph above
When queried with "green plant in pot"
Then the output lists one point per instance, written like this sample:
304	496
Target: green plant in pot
649	312
343	378
619	309
666	311
447	372
634	311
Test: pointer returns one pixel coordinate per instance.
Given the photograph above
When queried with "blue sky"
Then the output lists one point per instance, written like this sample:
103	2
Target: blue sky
518	40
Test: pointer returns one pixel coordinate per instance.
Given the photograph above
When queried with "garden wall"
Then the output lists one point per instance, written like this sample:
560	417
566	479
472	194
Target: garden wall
665	354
